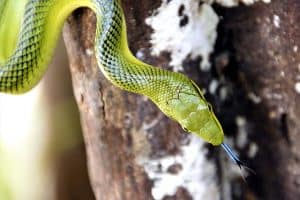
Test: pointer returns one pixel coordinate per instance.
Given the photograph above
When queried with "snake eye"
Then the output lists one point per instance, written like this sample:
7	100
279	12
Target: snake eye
185	129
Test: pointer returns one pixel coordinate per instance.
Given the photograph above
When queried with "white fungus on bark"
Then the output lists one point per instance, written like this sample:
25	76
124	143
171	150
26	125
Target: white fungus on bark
197	174
231	3
276	21
213	86
253	149
242	135
254	98
297	87
89	52
196	38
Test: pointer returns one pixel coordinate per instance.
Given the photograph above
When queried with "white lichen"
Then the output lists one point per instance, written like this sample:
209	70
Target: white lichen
295	48
89	52
194	39
213	86
224	92
231	3
297	87
253	149
277	96
276	21
140	54
242	135
197	174
254	98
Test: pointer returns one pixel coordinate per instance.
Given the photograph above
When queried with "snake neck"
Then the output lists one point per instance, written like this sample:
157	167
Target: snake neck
112	52
116	60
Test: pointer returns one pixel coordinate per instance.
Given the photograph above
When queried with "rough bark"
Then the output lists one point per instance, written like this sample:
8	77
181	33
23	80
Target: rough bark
110	117
264	41
254	57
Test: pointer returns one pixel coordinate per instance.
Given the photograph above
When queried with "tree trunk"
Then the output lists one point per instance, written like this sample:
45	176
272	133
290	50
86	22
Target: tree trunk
264	40
112	119
126	136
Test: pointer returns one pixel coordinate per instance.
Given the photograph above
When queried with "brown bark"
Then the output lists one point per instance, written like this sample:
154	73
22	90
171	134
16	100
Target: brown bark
111	120
265	61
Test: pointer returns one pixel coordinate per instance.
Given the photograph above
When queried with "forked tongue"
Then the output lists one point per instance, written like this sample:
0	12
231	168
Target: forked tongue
236	160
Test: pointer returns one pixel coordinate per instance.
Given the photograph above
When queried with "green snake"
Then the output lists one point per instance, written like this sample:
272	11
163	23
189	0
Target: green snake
27	40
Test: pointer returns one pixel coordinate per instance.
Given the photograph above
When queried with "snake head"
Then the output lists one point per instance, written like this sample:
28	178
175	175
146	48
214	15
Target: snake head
189	108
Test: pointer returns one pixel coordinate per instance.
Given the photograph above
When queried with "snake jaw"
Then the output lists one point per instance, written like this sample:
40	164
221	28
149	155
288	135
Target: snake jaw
203	124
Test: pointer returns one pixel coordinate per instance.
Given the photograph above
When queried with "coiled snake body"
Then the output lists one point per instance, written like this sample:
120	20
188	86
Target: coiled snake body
23	64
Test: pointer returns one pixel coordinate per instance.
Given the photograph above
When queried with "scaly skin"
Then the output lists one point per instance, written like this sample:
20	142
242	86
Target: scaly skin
175	94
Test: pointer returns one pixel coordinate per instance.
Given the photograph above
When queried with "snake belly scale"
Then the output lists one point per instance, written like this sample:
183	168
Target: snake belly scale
175	94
